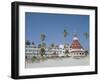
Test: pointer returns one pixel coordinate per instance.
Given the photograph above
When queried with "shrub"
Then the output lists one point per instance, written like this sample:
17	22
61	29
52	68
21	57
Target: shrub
33	58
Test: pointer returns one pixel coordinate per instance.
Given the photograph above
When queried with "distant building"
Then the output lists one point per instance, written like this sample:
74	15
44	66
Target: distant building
31	50
62	50
76	48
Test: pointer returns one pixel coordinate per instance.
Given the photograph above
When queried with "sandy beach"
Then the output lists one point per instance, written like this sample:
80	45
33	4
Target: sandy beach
57	62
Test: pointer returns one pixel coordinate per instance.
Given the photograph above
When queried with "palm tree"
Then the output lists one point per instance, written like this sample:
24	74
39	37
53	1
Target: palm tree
42	36
66	52
65	33
39	45
42	48
27	42
86	34
44	45
86	52
52	45
42	51
33	43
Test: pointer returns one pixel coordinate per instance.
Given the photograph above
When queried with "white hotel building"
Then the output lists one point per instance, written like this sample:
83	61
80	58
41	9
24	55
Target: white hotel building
30	51
75	49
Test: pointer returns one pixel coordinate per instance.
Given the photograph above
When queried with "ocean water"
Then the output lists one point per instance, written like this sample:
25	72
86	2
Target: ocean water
58	62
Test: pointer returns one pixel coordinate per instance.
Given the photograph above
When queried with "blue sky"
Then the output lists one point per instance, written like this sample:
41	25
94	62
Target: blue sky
53	25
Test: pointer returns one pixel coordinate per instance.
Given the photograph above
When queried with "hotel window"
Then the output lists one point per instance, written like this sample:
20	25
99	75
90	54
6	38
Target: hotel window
26	50
29	50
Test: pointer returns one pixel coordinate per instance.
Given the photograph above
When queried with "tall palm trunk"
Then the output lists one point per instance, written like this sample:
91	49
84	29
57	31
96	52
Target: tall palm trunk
42	38
42	50
65	33
86	35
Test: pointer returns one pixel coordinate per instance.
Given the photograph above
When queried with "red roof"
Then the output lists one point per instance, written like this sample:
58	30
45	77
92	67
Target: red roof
75	43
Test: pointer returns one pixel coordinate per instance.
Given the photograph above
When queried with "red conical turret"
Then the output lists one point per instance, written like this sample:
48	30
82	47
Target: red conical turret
75	43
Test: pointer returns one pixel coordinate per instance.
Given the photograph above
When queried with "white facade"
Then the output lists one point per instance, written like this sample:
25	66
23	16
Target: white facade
31	50
76	52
